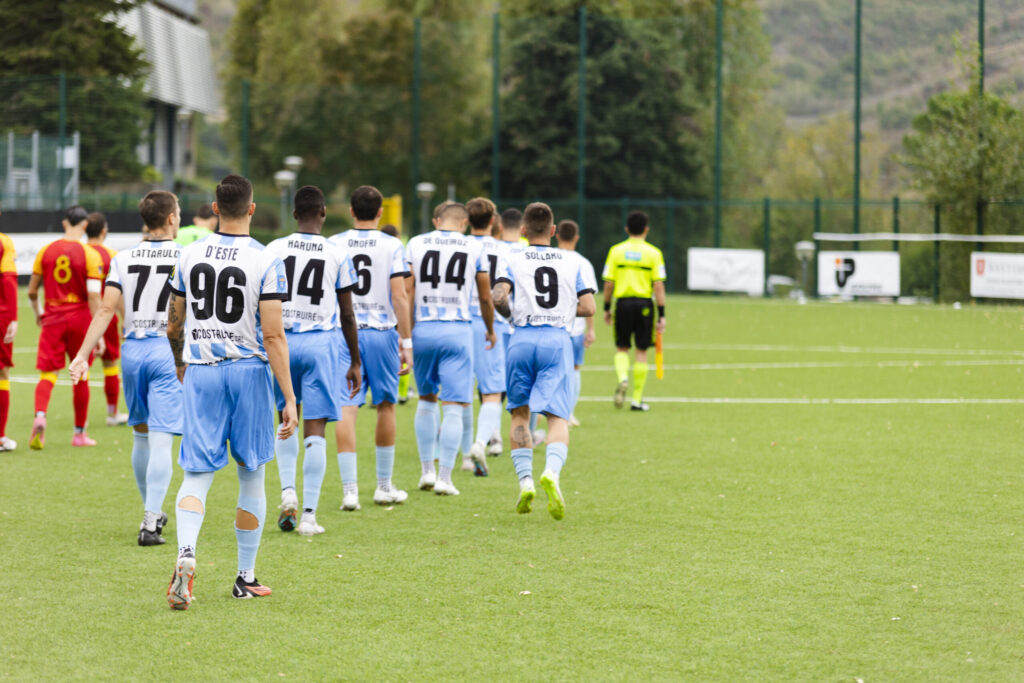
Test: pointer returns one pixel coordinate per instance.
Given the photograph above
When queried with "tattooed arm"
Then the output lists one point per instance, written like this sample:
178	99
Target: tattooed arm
500	297
176	331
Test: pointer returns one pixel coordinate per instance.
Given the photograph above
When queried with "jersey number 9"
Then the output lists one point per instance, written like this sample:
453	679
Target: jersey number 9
545	279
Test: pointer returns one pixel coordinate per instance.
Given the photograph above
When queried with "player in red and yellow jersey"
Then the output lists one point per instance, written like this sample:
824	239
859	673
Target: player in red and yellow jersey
9	328
72	277
95	234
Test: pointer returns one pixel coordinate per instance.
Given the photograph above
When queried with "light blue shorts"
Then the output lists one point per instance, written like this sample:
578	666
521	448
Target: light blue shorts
378	350
539	365
578	350
443	360
488	366
314	368
151	387
227	402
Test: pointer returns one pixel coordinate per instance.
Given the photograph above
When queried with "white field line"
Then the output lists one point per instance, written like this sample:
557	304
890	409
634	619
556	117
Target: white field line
61	382
817	401
881	350
813	365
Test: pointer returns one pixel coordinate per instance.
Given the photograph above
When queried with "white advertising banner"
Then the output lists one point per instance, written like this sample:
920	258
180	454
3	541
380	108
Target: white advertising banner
999	276
859	273
725	270
28	244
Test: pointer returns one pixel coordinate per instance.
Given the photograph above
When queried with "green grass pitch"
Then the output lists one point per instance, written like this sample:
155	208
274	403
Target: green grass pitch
767	519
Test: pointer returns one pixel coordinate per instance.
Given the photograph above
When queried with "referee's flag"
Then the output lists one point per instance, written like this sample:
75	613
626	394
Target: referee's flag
659	358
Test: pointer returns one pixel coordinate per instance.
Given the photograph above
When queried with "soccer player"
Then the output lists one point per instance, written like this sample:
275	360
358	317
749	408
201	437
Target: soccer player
320	280
9	324
137	284
442	263
385	343
71	276
488	363
633	271
224	326
95	235
550	291
204	223
568	235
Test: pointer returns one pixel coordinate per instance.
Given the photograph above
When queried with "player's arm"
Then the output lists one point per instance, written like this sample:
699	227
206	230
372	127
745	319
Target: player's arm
609	287
176	331
483	288
410	295
276	346
659	299
591	335
400	302
100	322
350	329
502	288
33	296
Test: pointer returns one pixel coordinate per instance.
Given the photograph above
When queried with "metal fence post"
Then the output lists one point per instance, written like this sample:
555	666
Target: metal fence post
244	129
856	126
767	242
817	245
896	222
417	76
495	113
935	254
581	122
719	21
670	228
62	132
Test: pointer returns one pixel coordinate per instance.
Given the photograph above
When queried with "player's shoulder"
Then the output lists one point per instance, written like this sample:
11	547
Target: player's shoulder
5	241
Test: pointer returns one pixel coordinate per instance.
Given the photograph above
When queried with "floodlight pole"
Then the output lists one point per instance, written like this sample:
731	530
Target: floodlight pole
61	136
719	18
856	126
980	206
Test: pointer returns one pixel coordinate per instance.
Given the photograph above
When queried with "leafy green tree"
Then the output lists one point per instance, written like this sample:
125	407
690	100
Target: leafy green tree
105	102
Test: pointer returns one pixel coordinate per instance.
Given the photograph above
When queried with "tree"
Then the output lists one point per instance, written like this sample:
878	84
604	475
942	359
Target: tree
103	67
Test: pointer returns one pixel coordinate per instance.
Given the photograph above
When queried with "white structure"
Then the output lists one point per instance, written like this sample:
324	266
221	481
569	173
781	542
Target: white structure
181	82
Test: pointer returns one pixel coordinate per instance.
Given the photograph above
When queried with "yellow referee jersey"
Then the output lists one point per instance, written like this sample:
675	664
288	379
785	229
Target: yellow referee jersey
634	266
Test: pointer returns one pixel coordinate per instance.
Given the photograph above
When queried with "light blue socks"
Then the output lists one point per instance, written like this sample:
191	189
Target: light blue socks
251	498
140	461
428	417
287	459
577	388
158	471
522	461
348	467
556	455
385	461
488	420
314	466
451	433
188	522
467	430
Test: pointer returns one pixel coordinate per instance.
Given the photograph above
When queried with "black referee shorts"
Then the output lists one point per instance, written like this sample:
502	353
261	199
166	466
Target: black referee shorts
634	317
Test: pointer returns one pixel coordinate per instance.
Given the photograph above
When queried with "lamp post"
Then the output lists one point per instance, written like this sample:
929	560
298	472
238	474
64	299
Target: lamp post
284	180
425	191
804	252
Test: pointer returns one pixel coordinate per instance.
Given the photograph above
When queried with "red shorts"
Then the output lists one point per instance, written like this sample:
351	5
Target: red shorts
60	338
112	341
6	350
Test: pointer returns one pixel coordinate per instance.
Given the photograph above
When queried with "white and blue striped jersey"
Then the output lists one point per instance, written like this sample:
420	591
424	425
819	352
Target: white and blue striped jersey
579	327
317	270
445	264
491	255
223	278
547	283
504	249
142	274
376	257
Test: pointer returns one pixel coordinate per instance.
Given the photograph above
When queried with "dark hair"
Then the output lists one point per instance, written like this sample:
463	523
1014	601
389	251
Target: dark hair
451	211
155	207
636	222
366	201
567	231
440	208
205	212
95	222
75	214
511	219
389	229
481	210
234	196
538	219
309	202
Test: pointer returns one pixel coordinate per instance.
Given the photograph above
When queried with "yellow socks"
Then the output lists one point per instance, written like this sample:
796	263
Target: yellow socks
622	366
639	380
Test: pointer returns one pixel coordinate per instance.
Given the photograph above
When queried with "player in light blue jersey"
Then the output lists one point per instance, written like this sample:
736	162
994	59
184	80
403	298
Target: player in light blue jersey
568	235
224	325
488	364
138	282
385	343
549	292
442	263
320	282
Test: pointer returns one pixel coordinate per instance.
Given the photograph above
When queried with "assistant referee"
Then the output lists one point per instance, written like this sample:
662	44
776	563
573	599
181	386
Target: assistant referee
633	271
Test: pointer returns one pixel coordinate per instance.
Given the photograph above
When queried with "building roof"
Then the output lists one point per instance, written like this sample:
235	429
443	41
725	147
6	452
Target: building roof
181	64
